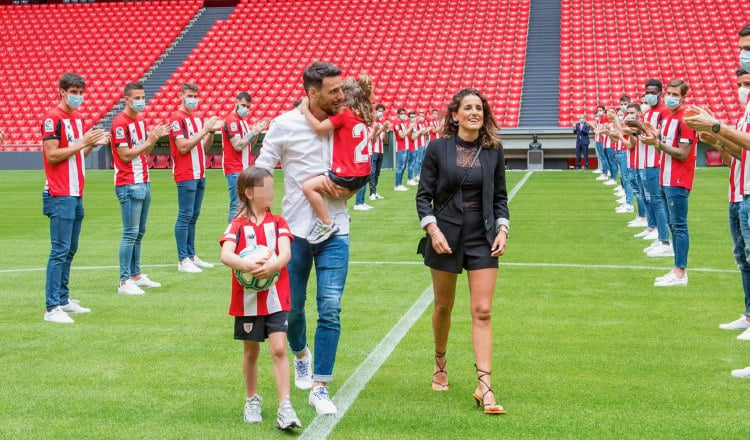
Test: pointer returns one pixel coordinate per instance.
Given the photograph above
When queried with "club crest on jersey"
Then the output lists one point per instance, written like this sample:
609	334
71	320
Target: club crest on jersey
251	236
49	125
175	125
119	132
248	327
233	127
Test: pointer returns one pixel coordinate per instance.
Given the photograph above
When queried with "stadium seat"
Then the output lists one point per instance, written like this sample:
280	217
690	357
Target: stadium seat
162	161
713	158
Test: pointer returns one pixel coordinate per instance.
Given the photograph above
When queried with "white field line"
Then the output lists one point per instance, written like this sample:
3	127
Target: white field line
321	426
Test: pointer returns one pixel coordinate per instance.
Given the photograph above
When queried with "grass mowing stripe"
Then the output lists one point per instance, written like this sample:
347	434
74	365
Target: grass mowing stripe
321	427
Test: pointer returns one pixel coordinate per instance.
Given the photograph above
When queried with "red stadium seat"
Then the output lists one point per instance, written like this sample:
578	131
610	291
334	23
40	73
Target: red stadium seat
163	161
713	158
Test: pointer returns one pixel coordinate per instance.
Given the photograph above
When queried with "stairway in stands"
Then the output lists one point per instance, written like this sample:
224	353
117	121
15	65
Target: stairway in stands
541	83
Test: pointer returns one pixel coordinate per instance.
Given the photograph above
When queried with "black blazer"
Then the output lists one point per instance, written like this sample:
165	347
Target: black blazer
439	178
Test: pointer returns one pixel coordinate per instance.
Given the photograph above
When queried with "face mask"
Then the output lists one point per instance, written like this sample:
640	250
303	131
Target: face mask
413	119
191	103
138	105
745	60
378	115
402	117
630	117
672	102
623	107
421	119
645	107
434	116
582	120
599	113
74	101
651	100
743	94
620	117
242	111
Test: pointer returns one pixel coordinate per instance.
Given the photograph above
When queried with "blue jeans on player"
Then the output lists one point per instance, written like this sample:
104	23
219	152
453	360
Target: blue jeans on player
331	259
643	202
234	201
376	163
611	162
601	155
359	199
412	157
740	229
189	200
676	202
420	159
65	220
135	201
400	166
625	178
654	198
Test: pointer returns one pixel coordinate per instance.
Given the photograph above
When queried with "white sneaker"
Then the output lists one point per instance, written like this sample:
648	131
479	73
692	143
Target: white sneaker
618	188
743	373
603	177
739	324
361	207
411	182
74	307
662	250
670	280
252	412
129	288
321	232
597	171
58	316
303	372
621	200
648	248
400	188
744	336
145	281
610	182
624	209
653	235
320	400
187	266
286	418
200	263
642	234
373	197
378	196
638	222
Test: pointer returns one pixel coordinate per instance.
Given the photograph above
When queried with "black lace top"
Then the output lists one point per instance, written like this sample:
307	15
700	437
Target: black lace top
472	186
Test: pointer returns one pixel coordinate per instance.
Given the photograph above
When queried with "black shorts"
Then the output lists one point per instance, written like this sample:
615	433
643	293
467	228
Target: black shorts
471	251
257	328
351	183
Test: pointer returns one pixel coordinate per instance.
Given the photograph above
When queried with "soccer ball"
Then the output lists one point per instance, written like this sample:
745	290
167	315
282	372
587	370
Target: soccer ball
254	253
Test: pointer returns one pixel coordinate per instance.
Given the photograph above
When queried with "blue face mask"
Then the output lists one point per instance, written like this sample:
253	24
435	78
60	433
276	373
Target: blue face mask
74	101
191	103
138	105
379	115
651	99
672	102
745	60
242	111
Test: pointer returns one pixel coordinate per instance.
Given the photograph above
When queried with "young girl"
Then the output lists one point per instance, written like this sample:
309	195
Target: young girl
351	161
260	314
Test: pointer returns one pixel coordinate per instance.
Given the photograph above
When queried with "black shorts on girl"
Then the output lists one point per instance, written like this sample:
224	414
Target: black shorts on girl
257	328
350	183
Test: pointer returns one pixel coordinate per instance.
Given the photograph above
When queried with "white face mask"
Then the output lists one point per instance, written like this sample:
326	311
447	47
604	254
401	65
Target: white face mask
645	107
743	93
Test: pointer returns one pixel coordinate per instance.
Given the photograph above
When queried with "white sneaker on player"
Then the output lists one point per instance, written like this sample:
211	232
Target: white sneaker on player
378	196
129	288
320	400
618	188
74	307
638	222
661	250
187	265
252	411
738	324
641	234
362	207
411	182
653	235
621	200
57	315
610	182
373	197
624	209
742	373
145	281
602	177
200	263
597	171
303	372
671	280
744	336
648	248
400	188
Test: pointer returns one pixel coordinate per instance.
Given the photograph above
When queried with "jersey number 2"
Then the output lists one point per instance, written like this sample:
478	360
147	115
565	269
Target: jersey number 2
360	155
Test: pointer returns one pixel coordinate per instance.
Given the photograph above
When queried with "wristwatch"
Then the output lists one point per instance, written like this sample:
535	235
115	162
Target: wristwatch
716	127
504	228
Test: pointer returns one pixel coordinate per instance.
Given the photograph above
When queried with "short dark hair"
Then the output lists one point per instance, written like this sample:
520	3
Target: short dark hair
625	98
129	87
635	106
69	80
679	84
601	107
244	95
655	83
189	86
296	103
745	31
380	107
412	112
313	76
400	110
740	72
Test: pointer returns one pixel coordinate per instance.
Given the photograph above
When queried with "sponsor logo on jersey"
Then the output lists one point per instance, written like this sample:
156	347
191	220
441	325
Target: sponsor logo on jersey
233	127
49	125
119	132
175	125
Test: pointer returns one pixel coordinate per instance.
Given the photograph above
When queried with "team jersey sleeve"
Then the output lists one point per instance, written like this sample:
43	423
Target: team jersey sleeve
339	119
230	233
687	134
284	230
177	130
119	135
233	128
50	128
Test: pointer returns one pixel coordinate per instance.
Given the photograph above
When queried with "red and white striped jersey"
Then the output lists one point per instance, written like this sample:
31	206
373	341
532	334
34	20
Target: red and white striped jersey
243	232
435	124
739	174
67	177
675	172
648	155
351	157
191	165
421	140
403	143
608	142
377	145
233	161
127	132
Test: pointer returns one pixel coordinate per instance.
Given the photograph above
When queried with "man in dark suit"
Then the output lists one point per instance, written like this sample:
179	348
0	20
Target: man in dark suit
582	129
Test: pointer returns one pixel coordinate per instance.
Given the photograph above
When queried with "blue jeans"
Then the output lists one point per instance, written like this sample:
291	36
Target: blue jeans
189	201
376	163
134	200
654	198
400	166
601	155
65	220
611	162
234	201
360	198
676	201
740	229
625	178
331	260
412	157
643	202
420	159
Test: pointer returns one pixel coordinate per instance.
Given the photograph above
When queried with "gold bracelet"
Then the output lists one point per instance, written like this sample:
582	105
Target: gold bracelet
434	232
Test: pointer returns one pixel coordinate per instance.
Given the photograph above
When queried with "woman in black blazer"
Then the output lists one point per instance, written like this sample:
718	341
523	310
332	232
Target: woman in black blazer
463	205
